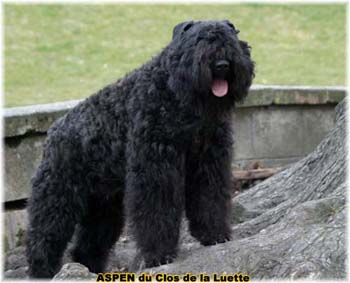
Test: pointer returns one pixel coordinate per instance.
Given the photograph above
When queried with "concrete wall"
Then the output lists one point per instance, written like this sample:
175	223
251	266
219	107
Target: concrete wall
276	125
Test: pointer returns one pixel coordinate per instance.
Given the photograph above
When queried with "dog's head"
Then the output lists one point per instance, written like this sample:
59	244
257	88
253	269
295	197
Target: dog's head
208	58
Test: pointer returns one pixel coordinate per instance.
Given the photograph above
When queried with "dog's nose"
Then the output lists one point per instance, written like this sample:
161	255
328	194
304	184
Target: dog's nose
222	66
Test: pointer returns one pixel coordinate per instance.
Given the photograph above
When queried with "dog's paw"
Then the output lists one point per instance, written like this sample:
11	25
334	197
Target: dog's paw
154	261
215	240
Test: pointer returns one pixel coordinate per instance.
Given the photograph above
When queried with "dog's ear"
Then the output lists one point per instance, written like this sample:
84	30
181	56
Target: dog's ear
245	47
227	22
179	29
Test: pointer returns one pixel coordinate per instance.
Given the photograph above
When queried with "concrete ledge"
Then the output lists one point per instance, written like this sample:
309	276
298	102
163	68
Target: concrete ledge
38	118
34	119
293	95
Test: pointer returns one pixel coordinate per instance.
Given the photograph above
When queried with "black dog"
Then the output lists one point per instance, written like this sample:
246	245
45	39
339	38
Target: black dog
146	148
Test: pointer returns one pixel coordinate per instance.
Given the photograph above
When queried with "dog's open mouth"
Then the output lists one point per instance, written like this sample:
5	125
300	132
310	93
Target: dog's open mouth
219	87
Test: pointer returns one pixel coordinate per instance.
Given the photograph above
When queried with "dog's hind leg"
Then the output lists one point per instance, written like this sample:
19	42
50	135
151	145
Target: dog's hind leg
52	215
98	230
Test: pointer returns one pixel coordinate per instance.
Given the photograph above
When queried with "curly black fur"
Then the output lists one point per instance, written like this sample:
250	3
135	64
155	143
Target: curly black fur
153	144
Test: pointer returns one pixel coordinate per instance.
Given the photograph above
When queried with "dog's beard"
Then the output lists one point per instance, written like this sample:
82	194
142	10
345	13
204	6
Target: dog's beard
202	76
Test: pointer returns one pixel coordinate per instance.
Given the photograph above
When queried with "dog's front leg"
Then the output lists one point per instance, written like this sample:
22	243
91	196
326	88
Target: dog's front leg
208	186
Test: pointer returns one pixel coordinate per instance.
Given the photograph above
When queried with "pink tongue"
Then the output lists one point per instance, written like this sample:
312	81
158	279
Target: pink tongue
219	87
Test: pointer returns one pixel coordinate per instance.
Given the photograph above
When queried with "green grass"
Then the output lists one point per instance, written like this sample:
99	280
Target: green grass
64	52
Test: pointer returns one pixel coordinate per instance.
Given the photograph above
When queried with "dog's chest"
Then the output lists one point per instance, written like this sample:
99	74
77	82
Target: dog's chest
202	139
